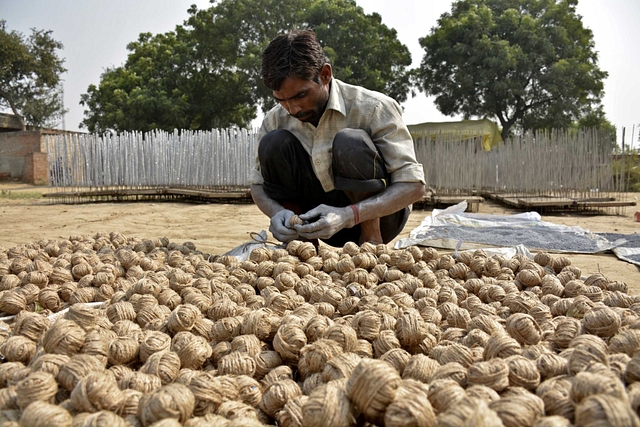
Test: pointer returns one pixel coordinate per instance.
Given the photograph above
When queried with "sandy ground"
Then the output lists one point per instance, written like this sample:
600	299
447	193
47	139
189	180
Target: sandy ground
218	228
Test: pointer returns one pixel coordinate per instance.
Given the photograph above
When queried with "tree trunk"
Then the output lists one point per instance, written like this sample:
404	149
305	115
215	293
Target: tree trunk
18	115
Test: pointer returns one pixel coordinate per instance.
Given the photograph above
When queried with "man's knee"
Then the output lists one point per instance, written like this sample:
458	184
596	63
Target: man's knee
347	141
275	143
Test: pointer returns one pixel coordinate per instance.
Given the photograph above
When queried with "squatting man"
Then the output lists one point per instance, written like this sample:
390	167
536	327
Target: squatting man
337	155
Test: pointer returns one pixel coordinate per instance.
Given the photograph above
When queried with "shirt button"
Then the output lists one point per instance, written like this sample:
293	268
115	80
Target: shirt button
317	162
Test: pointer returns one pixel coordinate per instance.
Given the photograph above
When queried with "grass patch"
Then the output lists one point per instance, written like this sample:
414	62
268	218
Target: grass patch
19	195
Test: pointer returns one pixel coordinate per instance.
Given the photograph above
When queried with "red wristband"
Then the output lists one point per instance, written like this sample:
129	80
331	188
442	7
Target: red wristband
356	215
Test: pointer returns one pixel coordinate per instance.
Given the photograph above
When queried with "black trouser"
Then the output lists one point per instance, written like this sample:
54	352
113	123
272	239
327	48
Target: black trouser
357	167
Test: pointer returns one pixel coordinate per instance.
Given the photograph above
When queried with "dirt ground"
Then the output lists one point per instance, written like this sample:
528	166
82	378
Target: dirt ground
218	228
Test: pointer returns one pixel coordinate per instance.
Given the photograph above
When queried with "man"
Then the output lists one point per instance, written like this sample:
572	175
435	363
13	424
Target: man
338	155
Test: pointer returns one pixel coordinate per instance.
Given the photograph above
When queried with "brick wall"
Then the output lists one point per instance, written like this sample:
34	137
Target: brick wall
23	156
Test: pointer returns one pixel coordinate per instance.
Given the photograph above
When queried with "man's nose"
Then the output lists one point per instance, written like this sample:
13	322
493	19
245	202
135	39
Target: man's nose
293	107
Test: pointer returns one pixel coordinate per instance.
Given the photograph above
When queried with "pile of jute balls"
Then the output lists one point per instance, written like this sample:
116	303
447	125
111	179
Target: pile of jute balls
107	330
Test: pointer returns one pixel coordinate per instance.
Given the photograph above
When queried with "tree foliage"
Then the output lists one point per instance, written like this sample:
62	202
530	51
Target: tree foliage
206	73
30	72
525	62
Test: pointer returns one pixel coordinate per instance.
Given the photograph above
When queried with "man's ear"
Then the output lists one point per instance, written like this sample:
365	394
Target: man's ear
326	72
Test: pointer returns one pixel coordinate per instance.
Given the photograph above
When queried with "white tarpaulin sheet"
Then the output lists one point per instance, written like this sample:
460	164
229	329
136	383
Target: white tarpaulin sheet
453	228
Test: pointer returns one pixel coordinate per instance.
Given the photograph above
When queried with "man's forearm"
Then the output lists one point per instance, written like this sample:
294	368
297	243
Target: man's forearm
266	204
396	197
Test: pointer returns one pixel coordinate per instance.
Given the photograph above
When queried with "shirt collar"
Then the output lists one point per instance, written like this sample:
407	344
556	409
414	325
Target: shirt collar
336	101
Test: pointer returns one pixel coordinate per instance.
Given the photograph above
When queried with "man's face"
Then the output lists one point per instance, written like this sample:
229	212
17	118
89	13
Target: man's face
305	99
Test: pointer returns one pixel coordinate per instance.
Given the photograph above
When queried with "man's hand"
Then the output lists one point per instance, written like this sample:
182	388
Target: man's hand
279	226
325	221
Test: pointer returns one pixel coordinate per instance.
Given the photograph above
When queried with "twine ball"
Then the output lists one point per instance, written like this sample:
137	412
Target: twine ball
38	386
523	372
386	341
602	321
279	373
315	356
277	394
291	413
123	350
18	349
234	410
523	328
265	362
79	366
129	403
193	350
43	414
371	387
344	335
51	363
493	373
210	391
183	318
367	324
95	392
227	328
140	381
421	368
153	342
501	346
163	364
603	409
411	406
249	344
249	390
518	410
122	310
237	363
555	394
453	352
171	401
444	394
63	337
288	341
470	412
30	325
328	405
96	344
340	367
588	384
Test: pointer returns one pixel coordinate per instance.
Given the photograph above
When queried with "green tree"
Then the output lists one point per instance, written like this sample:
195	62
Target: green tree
206	73
525	62
30	70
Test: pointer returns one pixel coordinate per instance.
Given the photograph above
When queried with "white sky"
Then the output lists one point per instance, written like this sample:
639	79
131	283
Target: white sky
95	34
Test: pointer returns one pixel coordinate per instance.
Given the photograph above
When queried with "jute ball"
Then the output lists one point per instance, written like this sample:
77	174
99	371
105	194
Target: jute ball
314	356
367	324
453	352
129	403
587	384
249	344
265	362
95	392
523	328
340	366
38	386
153	342
99	419
328	405
30	325
210	391
602	321
288	341
249	390
79	366
444	394
482	392
501	346
470	412
18	349
163	364
555	394
183	318
51	363
193	350
385	341
493	373
237	363
96	344
603	409
344	335
371	387
311	382
235	410
410	406
518	410
140	381
397	358
171	401
43	414
123	350
523	372
63	337
626	341
122	310
421	368
277	394
279	373
291	413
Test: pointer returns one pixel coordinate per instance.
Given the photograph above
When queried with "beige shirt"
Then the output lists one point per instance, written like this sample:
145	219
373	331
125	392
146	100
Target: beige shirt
350	107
